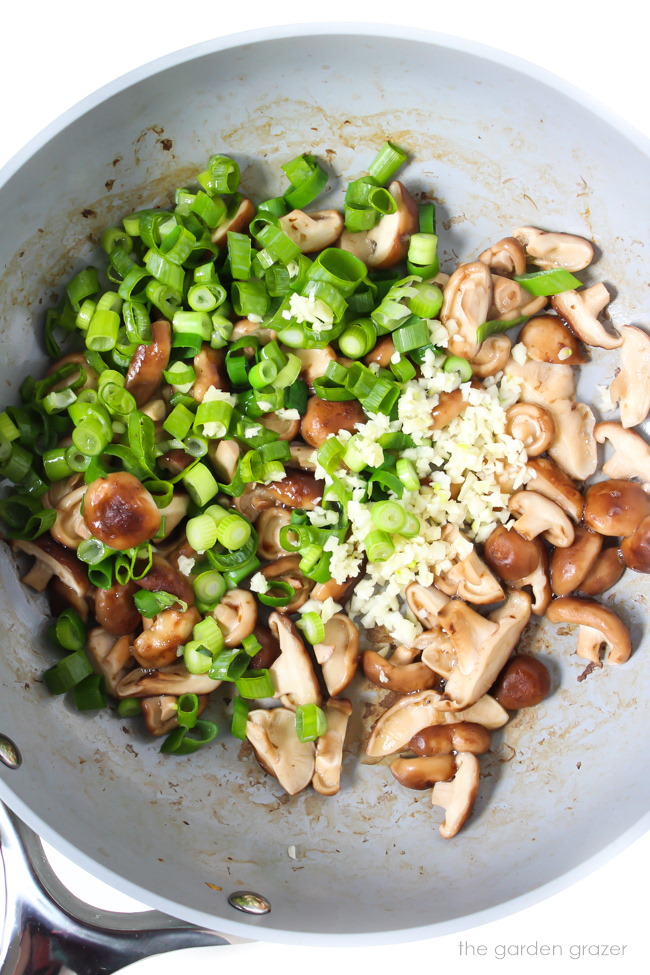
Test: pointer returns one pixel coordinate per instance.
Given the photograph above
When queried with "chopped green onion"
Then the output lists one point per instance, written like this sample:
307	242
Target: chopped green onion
454	363
386	163
255	685
201	532
410	337
389	516
229	664
209	634
69	630
251	645
412	528
284	593
427	301
129	707
307	180
91	551
200	484
311	722
67	673
496	326
187	710
239	255
179	742
197	657
240	711
379	546
233	532
149	604
551	282
209	587
90	693
312	626
358	339
407	474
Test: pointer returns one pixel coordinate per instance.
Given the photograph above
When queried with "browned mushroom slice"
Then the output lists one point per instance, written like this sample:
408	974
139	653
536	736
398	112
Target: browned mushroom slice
236	223
401	678
292	673
297	489
163	576
435	649
551	481
236	614
631	457
481	652
569	566
574	446
115	610
340	665
599	626
324	418
425	602
77	359
314	363
174	512
63	563
270	648
580	309
444	739
157	646
278	748
387	243
467	301
224	456
635	550
523	683
413	712
449	406
312	231
549	249
507	257
510	301
210	372
286	569
537	515
160	713
110	657
382	353
521	564
630	389
469	577
175	679
492	356
62	597
605	573
531	424
286	427
269	525
120	512
145	373
548	339
615	507
302	456
457	797
424	771
329	748
69	527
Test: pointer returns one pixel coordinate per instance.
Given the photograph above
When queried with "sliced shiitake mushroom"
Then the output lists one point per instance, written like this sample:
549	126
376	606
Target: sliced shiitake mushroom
286	569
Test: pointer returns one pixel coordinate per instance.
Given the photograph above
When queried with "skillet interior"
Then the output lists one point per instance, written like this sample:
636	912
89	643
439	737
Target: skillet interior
499	148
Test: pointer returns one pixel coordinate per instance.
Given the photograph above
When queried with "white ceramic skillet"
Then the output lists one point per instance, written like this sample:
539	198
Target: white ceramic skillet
499	144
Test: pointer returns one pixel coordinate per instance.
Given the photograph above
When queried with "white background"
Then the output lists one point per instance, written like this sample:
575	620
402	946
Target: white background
56	53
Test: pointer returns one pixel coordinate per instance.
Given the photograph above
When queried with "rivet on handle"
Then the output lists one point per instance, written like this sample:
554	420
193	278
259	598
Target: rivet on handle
9	754
249	902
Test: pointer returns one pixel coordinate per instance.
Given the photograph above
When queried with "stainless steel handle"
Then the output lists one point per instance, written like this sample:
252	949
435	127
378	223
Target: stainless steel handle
47	930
